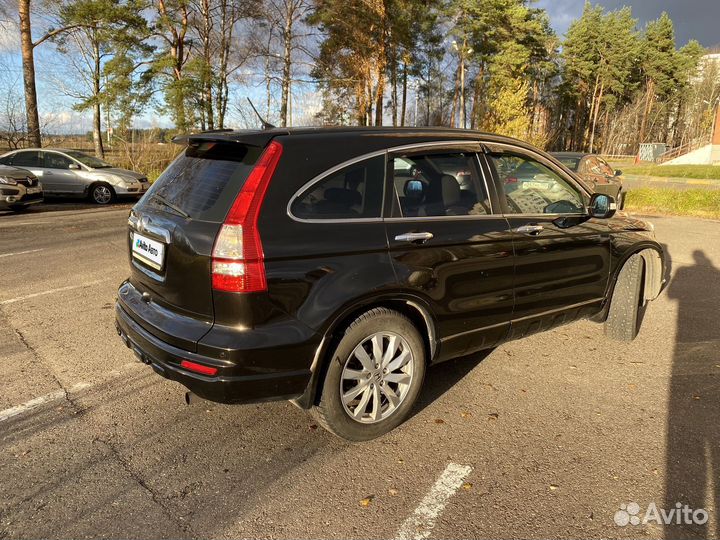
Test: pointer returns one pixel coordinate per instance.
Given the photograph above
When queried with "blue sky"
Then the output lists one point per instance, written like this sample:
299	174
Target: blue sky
694	19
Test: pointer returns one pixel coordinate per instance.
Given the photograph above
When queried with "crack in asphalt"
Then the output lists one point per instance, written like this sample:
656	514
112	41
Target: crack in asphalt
77	409
156	498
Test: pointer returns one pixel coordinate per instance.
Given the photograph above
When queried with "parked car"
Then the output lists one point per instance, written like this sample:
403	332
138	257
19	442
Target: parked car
596	173
331	266
18	189
69	173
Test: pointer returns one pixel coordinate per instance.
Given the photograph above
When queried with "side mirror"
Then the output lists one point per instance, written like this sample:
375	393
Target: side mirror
618	173
74	167
602	206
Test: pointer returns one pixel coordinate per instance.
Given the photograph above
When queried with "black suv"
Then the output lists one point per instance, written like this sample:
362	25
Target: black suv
331	266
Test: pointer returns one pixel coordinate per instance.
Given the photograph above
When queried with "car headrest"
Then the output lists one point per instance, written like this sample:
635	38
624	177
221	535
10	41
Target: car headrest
343	196
450	190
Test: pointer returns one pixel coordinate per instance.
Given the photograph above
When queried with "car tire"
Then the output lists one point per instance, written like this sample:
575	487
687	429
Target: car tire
19	207
381	400
102	193
621	201
622	323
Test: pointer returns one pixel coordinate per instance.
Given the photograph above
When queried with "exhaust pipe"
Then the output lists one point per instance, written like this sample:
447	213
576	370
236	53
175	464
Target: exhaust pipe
191	398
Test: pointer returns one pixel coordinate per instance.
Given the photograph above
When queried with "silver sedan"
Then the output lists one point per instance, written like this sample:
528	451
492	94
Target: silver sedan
69	173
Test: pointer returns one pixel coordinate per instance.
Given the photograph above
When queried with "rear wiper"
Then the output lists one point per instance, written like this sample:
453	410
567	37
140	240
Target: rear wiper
162	200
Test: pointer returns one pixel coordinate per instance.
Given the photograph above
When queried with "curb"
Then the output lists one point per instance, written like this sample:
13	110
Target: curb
673	180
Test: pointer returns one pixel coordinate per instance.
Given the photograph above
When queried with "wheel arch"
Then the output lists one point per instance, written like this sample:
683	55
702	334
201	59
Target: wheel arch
412	307
653	270
94	183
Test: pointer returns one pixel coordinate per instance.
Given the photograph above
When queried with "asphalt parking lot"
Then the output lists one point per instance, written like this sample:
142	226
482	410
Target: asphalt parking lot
544	437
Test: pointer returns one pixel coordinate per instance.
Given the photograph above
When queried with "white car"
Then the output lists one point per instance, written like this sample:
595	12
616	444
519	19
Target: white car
69	173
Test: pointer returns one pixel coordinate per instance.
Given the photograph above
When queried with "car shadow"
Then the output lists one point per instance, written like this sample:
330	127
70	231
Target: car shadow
693	433
441	377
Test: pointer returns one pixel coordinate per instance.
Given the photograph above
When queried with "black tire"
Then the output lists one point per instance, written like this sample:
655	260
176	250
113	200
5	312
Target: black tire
18	207
102	193
623	316
330	411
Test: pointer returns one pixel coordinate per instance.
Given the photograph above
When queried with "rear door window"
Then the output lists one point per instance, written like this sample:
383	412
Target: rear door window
353	192
204	179
30	158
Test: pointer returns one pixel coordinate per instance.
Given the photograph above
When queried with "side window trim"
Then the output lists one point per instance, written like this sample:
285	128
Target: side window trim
468	144
322	176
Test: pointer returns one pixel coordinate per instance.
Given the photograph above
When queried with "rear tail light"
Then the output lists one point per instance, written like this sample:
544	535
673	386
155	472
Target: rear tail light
237	258
511	180
198	368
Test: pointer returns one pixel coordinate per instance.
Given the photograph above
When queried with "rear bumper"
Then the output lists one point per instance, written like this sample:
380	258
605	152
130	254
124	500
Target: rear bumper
226	386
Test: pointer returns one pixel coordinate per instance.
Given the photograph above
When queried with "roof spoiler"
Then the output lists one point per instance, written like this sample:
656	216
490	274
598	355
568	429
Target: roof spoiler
248	137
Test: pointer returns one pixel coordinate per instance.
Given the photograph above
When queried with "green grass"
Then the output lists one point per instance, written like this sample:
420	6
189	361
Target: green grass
703	203
700	172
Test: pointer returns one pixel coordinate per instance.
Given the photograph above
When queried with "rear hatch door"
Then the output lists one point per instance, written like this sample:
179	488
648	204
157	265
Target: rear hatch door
171	234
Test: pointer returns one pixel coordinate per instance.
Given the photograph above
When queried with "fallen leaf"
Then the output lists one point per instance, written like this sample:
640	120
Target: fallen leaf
632	386
393	491
573	367
467	486
439	421
553	487
493	416
401	460
696	397
465	414
313	426
367	500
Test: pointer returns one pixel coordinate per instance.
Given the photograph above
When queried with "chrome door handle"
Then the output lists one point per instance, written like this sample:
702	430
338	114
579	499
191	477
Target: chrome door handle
420	237
529	229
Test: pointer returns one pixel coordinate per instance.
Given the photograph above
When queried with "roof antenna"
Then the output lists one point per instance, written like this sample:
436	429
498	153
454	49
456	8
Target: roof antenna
265	125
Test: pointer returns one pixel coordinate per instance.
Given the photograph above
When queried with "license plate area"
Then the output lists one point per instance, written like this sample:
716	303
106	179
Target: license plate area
148	251
33	190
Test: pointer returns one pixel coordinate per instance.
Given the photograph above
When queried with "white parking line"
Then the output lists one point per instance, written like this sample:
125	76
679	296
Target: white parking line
51	291
9	224
34	403
421	523
20	253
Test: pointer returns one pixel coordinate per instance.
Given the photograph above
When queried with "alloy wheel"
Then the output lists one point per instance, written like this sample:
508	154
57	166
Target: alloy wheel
102	194
376	377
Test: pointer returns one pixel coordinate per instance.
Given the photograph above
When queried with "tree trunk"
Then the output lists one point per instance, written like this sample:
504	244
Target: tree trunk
393	83
97	127
404	95
287	61
456	94
380	96
646	111
592	110
26	44
595	116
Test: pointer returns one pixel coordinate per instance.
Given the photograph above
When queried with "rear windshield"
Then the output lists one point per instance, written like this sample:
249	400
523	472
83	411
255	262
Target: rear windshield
204	180
570	162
